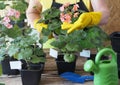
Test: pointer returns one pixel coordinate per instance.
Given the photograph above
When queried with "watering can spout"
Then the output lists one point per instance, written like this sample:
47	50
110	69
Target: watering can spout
105	71
89	66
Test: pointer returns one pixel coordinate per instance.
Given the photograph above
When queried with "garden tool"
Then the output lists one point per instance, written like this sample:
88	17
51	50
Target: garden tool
105	71
76	77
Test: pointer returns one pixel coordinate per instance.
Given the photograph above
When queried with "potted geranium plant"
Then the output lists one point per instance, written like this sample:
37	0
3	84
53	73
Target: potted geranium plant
21	6
28	49
8	31
69	44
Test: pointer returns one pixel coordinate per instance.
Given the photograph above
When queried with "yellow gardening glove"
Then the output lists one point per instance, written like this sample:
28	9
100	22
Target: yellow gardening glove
66	25
86	19
39	26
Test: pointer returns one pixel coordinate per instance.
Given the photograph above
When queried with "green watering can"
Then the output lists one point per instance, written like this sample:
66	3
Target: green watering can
105	71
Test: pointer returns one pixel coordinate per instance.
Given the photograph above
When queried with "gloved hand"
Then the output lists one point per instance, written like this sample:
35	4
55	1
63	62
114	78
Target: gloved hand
66	25
39	26
85	19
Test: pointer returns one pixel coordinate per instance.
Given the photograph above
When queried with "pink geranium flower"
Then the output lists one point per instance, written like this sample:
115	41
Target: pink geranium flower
17	14
62	8
62	17
66	4
67	14
65	17
11	12
75	7
76	14
8	25
6	19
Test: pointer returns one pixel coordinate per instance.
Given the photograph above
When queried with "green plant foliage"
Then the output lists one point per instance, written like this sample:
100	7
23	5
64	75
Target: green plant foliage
20	5
25	47
2	5
69	57
92	37
88	38
19	41
12	33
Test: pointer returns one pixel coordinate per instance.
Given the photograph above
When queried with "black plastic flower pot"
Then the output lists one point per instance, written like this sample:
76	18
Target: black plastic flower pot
63	66
20	24
37	66
115	41
92	57
30	77
118	64
6	67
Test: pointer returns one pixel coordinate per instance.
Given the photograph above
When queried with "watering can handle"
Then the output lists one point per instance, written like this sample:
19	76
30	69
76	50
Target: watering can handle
103	51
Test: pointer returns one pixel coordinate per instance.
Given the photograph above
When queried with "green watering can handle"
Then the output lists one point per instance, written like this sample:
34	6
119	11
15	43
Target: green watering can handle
103	51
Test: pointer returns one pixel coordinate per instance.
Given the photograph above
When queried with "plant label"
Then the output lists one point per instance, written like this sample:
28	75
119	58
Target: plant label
15	64
85	53
53	53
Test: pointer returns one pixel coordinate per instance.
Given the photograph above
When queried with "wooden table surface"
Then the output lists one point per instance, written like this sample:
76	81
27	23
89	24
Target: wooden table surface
45	80
49	78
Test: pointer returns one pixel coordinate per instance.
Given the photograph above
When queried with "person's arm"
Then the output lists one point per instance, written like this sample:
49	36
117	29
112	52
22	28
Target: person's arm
101	6
33	11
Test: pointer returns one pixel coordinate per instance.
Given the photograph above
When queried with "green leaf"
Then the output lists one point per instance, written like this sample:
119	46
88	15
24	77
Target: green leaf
54	26
46	32
97	36
37	59
13	32
25	54
13	50
44	38
69	57
2	53
2	5
20	6
72	47
38	51
59	43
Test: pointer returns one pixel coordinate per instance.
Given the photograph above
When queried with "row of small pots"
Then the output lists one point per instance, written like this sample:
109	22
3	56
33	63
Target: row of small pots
36	70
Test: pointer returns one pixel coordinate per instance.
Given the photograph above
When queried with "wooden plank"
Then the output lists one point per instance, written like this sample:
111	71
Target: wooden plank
46	79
